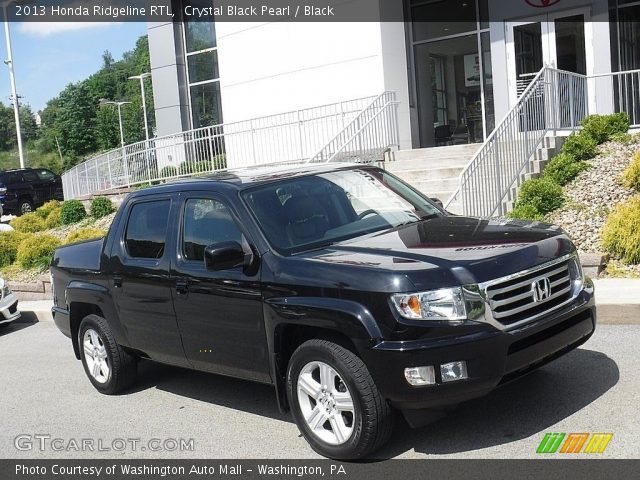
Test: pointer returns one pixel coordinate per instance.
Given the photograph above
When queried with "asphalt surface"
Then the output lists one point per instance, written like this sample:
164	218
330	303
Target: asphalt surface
44	390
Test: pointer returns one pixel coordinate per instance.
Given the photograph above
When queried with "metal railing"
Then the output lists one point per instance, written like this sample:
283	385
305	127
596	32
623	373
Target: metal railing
554	100
293	137
366	138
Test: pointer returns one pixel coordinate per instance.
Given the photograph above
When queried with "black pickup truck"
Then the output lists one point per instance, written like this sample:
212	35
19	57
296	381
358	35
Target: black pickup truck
350	292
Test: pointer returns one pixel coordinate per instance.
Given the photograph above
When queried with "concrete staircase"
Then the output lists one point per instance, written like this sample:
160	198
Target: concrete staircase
550	147
434	171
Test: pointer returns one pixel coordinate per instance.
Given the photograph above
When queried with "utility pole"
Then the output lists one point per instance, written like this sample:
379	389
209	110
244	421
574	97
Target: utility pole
14	93
141	77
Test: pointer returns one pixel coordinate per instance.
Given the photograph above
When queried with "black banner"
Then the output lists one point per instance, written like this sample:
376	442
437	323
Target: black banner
454	11
117	469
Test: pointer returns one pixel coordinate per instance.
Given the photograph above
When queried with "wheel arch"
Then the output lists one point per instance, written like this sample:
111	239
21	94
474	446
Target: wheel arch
85	298
292	321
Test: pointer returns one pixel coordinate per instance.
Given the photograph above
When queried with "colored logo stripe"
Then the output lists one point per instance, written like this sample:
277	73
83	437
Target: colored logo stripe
598	442
574	443
550	443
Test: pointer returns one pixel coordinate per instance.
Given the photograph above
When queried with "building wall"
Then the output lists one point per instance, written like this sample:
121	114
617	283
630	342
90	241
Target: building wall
269	68
278	67
168	77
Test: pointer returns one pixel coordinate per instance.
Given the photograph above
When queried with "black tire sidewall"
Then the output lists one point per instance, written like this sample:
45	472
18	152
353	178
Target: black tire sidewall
301	358
90	322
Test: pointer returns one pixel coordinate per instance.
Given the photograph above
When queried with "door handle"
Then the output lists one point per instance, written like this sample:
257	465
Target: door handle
117	282
182	286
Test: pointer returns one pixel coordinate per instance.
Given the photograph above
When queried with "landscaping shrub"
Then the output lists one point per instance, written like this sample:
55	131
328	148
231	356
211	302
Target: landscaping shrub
54	219
72	211
563	168
9	243
44	211
85	234
28	223
168	171
37	251
194	167
621	232
101	207
631	175
602	127
540	194
526	212
580	146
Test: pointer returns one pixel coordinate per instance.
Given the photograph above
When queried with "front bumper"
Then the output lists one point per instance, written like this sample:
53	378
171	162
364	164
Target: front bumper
9	309
493	357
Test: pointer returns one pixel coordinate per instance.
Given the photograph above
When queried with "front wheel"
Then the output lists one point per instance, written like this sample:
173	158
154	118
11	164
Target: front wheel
24	206
335	402
109	367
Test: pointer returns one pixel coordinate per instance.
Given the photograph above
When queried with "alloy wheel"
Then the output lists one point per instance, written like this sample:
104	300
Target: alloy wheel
95	355
326	403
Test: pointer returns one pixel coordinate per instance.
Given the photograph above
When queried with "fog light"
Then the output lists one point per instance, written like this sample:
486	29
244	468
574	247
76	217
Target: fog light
420	375
453	371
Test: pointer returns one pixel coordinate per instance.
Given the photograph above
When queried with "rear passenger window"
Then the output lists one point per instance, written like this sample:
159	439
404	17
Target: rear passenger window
206	221
29	176
45	175
147	229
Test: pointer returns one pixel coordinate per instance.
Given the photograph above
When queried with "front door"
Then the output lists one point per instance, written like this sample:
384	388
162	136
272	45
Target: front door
557	40
219	312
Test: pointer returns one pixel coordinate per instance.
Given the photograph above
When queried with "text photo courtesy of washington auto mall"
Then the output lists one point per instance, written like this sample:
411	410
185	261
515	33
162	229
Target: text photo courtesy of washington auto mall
355	239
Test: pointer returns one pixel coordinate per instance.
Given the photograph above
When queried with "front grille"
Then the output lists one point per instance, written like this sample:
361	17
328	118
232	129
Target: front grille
512	301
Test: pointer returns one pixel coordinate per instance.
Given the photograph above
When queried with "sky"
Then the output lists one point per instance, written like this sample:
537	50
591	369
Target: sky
49	56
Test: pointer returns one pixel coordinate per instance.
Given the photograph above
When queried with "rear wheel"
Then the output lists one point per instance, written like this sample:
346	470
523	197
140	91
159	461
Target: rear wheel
109	367
24	206
335	402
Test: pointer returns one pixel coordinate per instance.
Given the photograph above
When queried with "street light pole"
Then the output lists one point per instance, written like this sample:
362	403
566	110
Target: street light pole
104	101
14	93
142	77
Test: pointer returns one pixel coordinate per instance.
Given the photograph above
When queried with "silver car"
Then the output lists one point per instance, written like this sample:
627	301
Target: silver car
8	304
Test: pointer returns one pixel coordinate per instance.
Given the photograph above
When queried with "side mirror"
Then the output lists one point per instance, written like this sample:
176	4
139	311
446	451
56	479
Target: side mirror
437	201
223	256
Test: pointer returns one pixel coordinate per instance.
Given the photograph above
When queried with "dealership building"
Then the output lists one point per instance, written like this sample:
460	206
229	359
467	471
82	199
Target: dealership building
452	80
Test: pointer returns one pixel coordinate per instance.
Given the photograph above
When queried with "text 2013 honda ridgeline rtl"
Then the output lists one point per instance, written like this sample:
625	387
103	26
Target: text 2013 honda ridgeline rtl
351	293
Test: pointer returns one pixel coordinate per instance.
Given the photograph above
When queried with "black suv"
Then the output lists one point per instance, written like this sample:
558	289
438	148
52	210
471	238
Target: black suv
347	290
23	190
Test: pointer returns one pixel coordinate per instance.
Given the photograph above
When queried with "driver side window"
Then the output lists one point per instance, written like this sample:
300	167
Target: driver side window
206	221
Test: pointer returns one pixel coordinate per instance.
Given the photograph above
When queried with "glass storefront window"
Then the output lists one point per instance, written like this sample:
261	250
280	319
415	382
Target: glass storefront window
449	91
205	104
201	34
203	66
489	113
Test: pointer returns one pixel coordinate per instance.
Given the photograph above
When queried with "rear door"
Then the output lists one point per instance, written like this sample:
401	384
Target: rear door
141	285
49	184
219	313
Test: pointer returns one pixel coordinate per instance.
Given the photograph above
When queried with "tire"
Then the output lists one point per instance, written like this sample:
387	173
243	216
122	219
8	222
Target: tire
24	206
326	421
116	369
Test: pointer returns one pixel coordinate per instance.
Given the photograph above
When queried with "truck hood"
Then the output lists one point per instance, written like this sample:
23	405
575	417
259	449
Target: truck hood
447	251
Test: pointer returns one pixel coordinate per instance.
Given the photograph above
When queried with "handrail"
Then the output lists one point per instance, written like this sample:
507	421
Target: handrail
554	99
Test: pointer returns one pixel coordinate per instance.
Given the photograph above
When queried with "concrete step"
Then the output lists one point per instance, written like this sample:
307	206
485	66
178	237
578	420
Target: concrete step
438	185
398	168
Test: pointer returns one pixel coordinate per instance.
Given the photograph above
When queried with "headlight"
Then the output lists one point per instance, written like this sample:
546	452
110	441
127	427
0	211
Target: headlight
4	289
446	304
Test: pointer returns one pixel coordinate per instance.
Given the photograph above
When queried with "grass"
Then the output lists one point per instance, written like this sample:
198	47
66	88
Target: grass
33	158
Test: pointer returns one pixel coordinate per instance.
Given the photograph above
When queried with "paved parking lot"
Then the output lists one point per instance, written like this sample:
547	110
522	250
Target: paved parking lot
44	391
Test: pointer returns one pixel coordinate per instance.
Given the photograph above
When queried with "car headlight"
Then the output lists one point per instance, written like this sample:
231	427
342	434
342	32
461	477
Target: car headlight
445	304
4	289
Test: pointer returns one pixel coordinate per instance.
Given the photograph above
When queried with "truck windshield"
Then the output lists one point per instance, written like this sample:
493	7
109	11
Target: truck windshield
312	211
